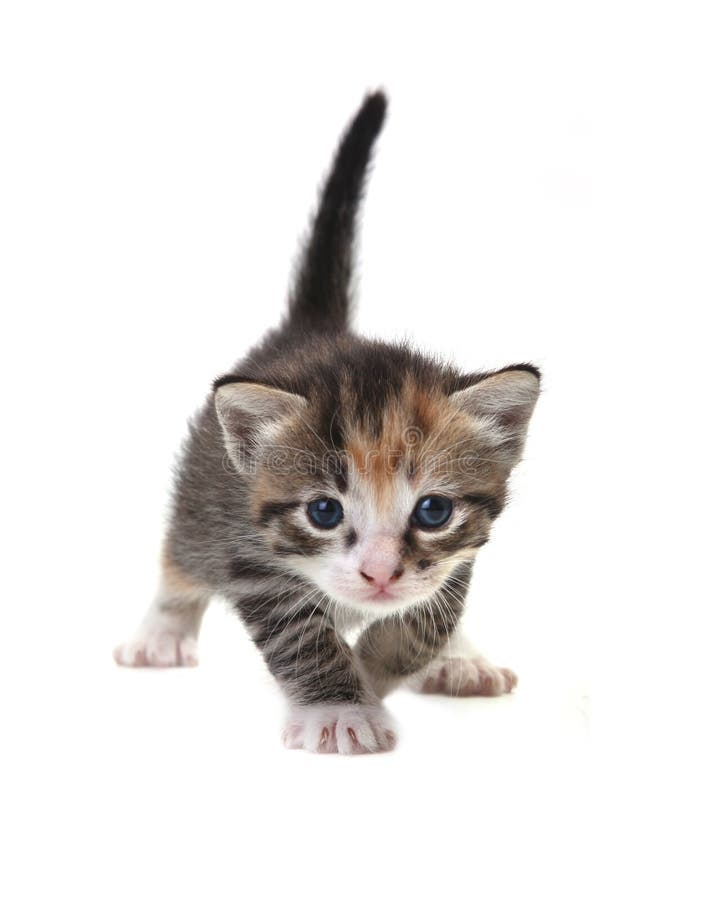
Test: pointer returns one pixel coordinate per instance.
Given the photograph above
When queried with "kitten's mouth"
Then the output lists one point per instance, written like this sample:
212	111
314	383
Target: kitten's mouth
381	594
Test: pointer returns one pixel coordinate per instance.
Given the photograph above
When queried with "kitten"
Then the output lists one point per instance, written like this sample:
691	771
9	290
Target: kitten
333	483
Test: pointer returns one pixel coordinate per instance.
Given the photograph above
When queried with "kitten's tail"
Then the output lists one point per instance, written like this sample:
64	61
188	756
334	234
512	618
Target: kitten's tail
320	297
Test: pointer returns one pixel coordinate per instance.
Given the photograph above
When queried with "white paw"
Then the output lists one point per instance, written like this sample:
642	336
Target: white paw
158	648
339	728
462	677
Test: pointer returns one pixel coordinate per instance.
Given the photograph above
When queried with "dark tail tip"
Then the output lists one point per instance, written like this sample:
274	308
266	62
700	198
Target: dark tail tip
372	114
320	299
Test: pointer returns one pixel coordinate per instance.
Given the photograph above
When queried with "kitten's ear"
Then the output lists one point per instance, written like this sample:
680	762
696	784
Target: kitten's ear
248	414
502	403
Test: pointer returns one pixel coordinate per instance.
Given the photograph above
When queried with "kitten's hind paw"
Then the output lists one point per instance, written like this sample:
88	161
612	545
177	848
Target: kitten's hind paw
339	728
161	649
461	677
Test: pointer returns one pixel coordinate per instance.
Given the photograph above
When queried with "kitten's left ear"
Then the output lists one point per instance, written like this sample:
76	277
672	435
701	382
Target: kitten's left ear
503	403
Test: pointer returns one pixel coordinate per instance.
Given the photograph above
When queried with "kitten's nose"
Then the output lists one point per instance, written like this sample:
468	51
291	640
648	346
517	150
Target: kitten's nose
380	573
381	560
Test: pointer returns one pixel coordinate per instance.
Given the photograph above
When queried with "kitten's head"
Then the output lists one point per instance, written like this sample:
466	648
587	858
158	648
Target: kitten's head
375	473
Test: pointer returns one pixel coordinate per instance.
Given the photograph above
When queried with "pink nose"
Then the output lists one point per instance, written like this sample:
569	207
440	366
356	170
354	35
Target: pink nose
380	573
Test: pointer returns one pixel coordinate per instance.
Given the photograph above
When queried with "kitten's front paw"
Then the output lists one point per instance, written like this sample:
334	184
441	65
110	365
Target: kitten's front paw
460	677
159	648
339	728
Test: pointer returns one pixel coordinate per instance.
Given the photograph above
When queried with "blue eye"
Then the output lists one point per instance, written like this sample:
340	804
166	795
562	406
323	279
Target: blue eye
432	511
325	512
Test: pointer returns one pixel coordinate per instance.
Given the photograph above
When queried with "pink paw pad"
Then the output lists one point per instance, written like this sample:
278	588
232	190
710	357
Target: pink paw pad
340	728
460	677
158	650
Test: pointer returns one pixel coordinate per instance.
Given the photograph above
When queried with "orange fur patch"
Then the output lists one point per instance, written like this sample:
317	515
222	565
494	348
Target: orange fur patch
408	422
176	581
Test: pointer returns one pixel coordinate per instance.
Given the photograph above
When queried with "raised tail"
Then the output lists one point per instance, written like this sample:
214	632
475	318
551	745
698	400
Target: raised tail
320	297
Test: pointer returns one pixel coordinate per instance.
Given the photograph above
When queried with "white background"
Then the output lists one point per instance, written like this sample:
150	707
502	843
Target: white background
541	192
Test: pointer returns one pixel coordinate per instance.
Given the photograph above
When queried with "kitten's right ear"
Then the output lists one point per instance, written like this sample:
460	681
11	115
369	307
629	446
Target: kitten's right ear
249	415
